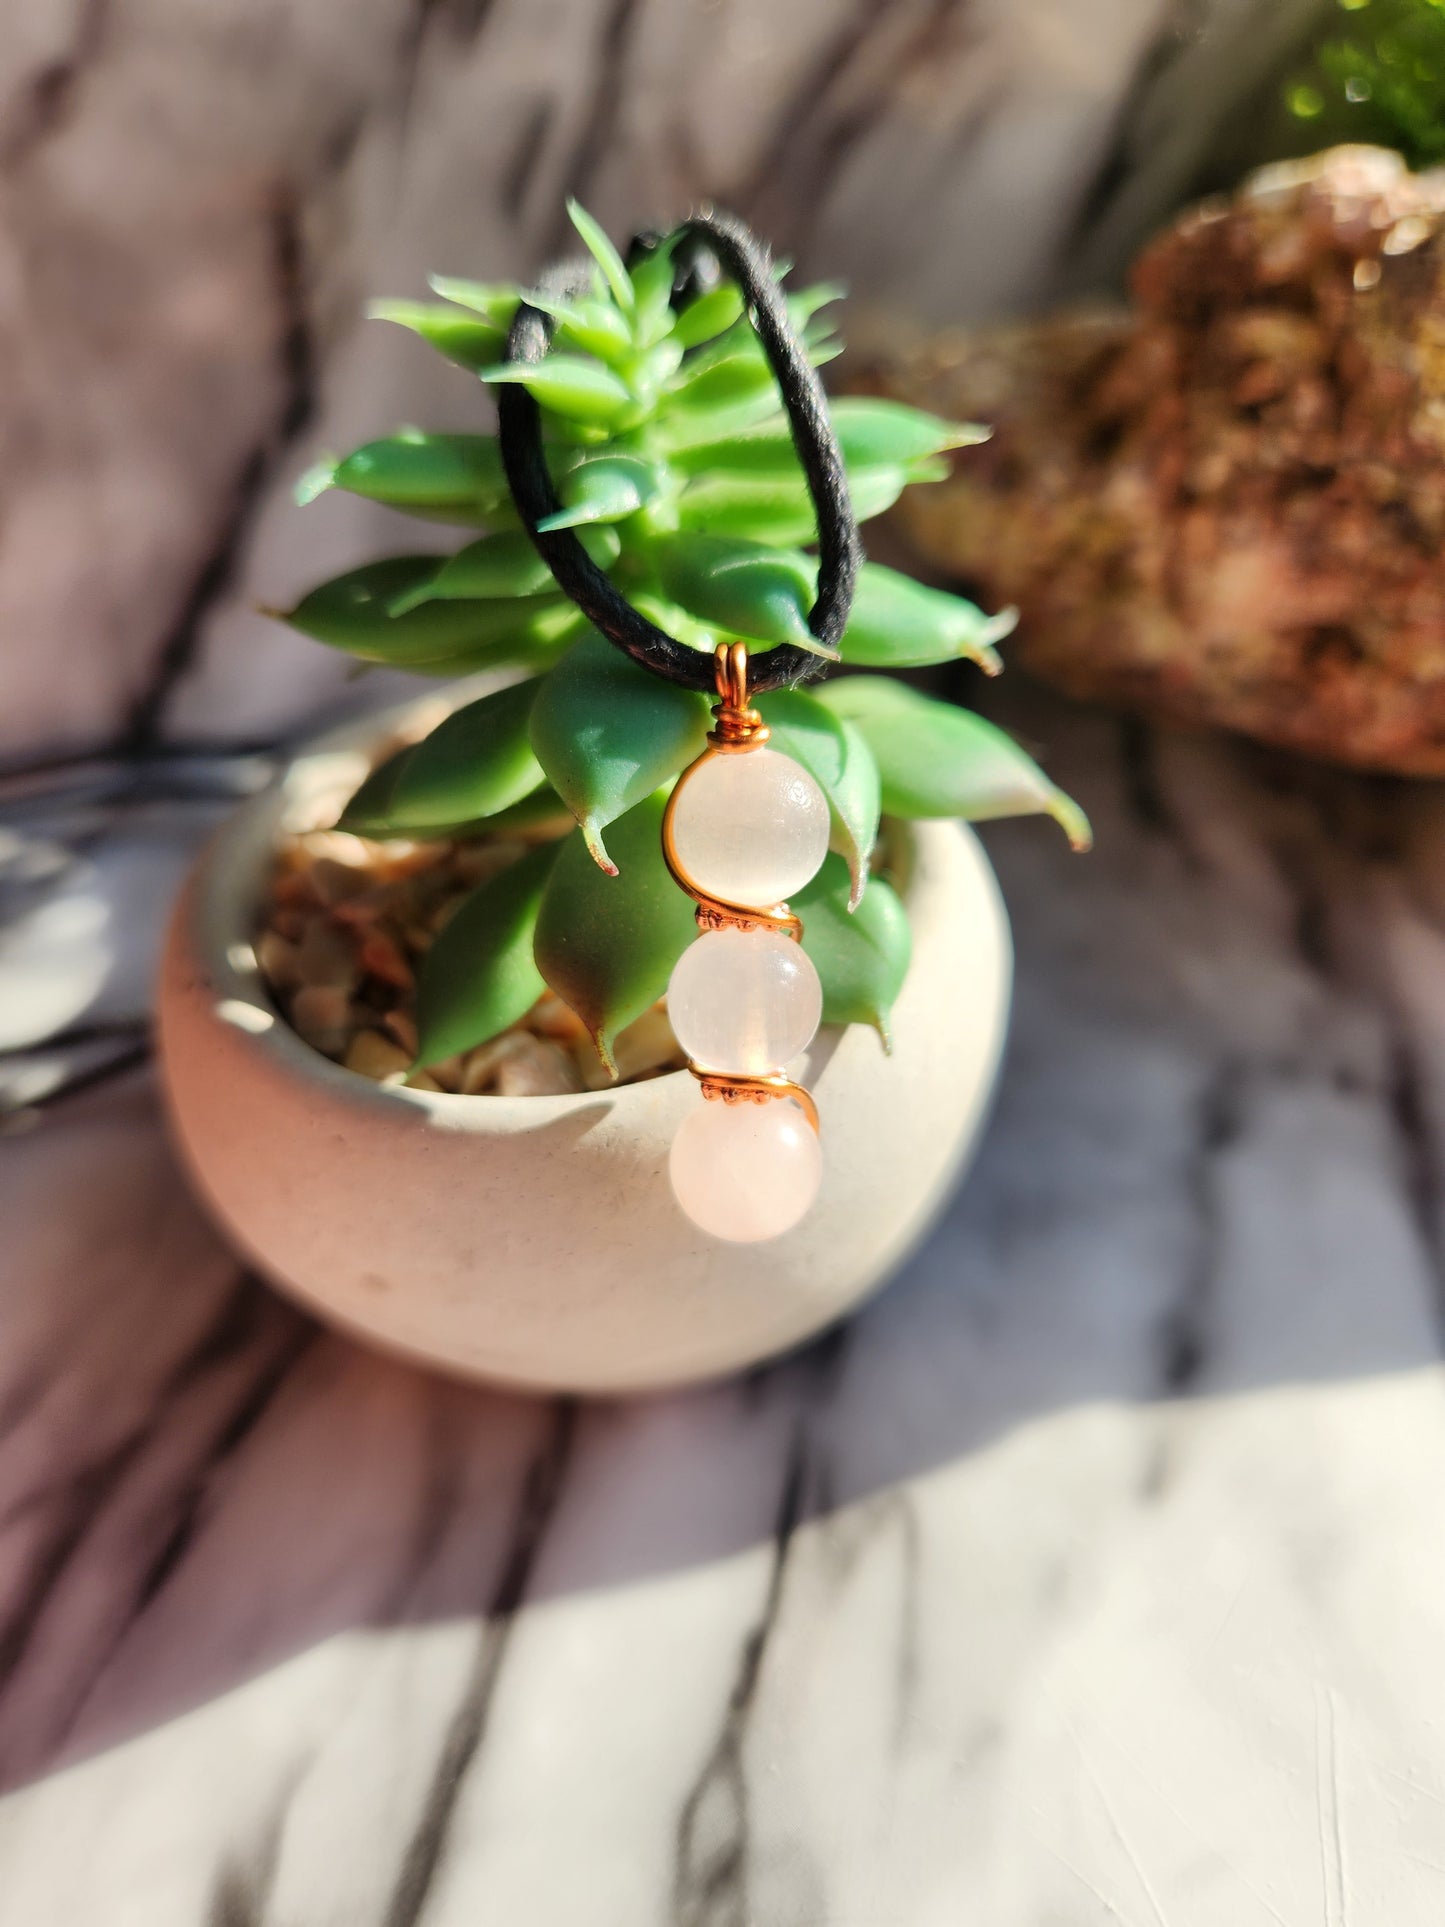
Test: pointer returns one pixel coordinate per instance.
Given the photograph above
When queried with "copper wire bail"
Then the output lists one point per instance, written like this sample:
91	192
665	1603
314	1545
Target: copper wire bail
736	724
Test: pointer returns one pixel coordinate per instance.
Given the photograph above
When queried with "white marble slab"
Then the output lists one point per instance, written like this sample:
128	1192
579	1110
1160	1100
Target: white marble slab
1094	1574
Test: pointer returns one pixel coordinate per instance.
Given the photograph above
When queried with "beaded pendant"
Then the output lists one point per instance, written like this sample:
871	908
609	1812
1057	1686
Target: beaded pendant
745	828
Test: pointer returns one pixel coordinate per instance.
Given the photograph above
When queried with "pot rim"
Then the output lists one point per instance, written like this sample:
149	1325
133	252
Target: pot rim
224	903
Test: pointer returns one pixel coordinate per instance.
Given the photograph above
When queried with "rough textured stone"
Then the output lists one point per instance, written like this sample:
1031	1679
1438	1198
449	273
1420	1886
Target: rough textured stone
1228	505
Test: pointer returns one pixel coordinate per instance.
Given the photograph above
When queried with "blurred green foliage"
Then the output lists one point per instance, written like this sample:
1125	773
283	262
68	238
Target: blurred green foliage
1378	76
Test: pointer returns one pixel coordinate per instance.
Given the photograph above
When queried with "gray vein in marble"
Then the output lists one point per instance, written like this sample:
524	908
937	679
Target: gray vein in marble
541	1492
710	1884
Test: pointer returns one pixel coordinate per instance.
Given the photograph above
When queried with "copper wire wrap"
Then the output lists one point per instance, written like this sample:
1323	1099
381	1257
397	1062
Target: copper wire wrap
756	1090
737	728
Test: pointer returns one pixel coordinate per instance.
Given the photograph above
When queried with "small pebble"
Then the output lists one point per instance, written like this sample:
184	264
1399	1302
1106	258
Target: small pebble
402	1027
647	1046
550	1017
321	1013
370	1054
325	956
537	1068
277	961
381	958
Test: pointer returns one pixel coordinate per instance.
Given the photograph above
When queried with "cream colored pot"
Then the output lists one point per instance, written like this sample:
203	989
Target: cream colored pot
534	1241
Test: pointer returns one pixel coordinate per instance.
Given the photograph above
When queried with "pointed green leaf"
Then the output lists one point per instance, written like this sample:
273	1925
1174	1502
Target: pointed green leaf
369	811
752	591
937	760
810	301
480	976
652	278
603	488
676	430
501	565
541	814
607	733
778	508
897	623
496	301
840	763
711	314
476	762
735	377
604	254
455	475
870	435
462	338
871	431
607	945
572	385
594	327
862	956
353	612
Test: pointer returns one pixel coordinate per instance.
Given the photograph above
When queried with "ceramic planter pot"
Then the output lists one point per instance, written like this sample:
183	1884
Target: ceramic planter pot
534	1241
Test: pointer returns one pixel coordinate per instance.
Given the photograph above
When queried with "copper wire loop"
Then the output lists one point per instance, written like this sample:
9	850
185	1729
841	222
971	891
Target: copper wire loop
736	725
756	1090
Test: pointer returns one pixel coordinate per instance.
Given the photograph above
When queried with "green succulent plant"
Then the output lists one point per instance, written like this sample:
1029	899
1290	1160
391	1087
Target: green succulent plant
1379	78
671	455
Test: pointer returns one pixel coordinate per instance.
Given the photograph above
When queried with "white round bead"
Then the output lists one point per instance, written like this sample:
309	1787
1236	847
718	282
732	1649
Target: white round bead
746	1171
745	1001
750	828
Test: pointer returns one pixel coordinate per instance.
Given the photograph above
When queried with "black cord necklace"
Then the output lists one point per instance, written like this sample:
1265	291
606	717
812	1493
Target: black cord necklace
743	258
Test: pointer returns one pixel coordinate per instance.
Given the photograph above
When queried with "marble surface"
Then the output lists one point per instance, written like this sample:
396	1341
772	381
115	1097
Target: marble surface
1093	1574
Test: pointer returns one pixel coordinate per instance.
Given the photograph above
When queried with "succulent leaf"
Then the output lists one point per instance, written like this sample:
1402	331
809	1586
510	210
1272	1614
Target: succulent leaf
887	431
607	733
652	278
749	590
938	760
675	430
605	255
840	762
477	762
480	976
607	944
354	612
501	565
862	955
603	488
870	434
596	327
369	810
462	338
711	314
897	623
496	301
574	386
456	476
740	376
778	508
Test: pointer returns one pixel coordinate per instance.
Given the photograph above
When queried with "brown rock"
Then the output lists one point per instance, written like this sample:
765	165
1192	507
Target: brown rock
321	1013
372	1055
1228	504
